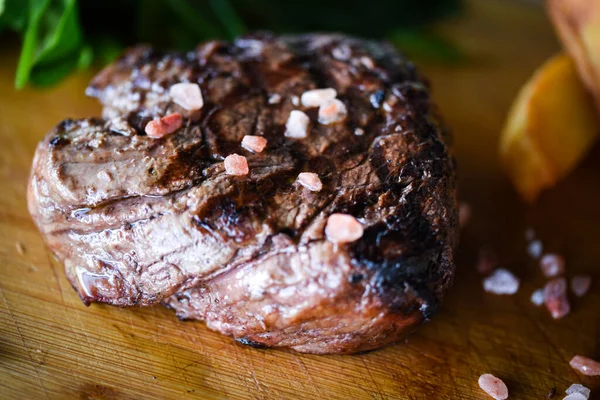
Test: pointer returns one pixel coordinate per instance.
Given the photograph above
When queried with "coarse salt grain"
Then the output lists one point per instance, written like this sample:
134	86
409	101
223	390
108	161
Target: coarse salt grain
343	228
160	127
487	261
236	165
253	143
332	111
535	248
537	297
575	396
552	265
580	284
493	386
310	180
187	95
359	131
367	62
555	298
577	388
275	98
297	125
317	97
585	365
502	281
295	100
464	214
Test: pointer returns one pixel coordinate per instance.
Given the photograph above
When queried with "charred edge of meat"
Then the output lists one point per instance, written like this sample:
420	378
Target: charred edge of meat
251	343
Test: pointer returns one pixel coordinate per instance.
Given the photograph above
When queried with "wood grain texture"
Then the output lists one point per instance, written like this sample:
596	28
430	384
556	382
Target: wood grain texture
52	346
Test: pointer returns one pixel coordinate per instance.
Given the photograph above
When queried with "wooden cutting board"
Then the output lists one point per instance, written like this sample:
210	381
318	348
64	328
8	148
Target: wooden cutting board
52	346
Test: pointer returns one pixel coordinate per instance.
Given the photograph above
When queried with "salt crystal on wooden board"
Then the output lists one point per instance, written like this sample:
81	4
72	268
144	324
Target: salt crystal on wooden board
493	386
575	396
535	248
580	284
585	365
555	298
502	281
552	265
577	388
537	297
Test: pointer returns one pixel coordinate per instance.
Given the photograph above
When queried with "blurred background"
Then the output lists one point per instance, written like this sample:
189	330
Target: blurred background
59	36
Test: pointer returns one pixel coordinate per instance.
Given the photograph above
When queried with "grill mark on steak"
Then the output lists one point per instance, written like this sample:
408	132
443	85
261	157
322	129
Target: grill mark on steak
248	254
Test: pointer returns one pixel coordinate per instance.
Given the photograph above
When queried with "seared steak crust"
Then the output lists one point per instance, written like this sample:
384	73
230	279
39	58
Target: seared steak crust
138	221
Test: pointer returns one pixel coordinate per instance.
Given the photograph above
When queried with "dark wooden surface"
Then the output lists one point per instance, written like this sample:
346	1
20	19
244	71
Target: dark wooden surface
52	346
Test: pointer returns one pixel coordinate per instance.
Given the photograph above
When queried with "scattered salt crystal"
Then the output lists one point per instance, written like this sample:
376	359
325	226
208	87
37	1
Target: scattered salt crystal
160	127
187	95
295	100
343	228
317	97
502	281
555	298
535	248
585	365
236	165
580	284
367	62
464	214
537	297
297	125
577	388
552	265
487	261
310	180
342	52
20	248
575	396
253	143
493	386
529	234
274	98
359	131
332	111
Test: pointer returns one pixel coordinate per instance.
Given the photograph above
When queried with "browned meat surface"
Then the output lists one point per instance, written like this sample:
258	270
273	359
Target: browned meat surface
138	221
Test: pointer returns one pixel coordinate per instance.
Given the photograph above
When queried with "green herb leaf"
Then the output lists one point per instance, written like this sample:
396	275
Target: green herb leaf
60	31
427	47
50	74
229	18
2	7
30	42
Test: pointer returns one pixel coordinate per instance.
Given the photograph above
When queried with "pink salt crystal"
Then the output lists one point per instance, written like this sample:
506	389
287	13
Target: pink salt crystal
297	125
580	284
555	298
253	143
502	281
359	131
332	111
317	97
585	365
493	386
552	265
236	165
464	214
310	180
187	95
166	125
343	228
487	261
274	98
367	62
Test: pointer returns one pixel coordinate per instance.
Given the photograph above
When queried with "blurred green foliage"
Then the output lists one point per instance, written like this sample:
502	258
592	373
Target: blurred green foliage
59	36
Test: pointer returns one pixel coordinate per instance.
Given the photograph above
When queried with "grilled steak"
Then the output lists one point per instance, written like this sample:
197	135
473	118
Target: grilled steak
139	220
